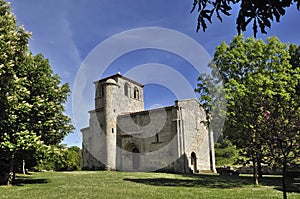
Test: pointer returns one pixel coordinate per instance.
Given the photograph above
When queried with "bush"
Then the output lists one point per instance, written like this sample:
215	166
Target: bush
226	153
62	159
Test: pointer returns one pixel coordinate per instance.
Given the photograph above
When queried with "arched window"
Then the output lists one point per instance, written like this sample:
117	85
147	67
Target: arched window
126	89
136	93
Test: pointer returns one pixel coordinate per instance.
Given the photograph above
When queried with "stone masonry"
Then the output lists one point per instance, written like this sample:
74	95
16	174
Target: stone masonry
123	136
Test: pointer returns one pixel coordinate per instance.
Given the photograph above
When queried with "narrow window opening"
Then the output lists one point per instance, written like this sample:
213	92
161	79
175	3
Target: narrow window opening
157	137
126	89
102	90
136	93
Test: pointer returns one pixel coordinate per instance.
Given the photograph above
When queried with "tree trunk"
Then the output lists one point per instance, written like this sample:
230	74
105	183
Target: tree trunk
259	170
11	171
259	161
23	167
255	173
284	173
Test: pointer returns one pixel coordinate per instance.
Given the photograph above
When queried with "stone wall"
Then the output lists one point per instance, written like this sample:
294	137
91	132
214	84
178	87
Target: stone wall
153	134
93	144
195	134
121	135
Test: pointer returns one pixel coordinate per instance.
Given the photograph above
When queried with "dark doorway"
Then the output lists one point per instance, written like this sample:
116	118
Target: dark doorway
135	158
194	162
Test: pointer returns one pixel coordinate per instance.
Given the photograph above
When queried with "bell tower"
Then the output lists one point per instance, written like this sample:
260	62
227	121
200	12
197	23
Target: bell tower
115	95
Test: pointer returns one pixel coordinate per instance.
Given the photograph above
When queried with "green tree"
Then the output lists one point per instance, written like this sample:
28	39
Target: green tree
31	96
261	13
261	86
281	113
47	96
14	108
266	88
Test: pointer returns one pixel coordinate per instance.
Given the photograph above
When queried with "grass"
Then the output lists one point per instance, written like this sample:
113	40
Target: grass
103	184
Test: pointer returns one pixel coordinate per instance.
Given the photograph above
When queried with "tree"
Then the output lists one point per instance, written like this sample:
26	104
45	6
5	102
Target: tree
231	62
31	96
281	114
261	13
14	133
262	88
46	117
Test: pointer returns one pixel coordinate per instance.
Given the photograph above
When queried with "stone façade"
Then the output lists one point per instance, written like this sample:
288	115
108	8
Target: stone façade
123	136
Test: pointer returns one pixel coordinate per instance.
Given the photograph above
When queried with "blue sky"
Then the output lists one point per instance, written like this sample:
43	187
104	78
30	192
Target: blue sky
66	32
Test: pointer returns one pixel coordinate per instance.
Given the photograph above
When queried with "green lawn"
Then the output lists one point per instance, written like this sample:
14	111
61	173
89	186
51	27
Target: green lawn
102	184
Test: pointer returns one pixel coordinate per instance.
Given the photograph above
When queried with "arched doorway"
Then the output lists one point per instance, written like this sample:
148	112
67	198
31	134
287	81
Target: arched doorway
194	161
135	158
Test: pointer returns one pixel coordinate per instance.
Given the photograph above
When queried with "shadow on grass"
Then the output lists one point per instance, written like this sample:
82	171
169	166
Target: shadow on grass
23	180
209	181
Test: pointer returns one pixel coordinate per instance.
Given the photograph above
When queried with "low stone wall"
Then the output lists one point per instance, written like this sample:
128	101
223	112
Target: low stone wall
265	170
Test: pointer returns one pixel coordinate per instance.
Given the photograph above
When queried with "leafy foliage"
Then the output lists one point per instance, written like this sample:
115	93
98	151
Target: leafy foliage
47	96
226	153
261	13
62	159
31	96
262	82
258	78
14	132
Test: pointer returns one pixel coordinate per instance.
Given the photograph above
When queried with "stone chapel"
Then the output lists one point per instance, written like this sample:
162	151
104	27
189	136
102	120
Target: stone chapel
123	136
